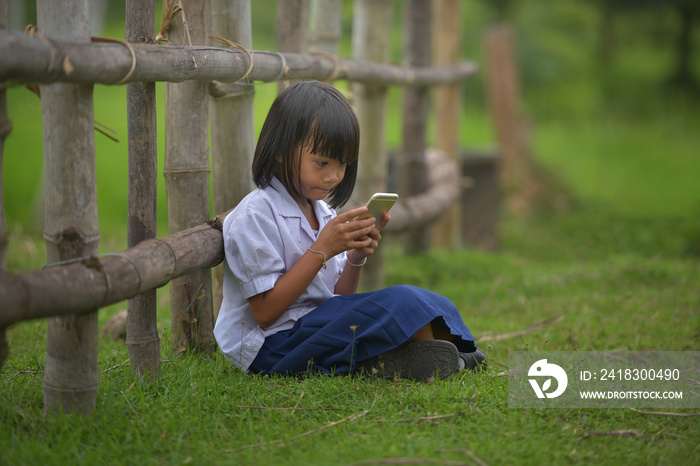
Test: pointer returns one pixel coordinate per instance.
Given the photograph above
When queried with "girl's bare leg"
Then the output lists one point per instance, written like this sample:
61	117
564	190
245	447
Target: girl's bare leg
425	333
433	331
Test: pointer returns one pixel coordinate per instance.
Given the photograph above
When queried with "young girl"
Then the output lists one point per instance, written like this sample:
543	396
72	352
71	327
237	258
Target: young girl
293	266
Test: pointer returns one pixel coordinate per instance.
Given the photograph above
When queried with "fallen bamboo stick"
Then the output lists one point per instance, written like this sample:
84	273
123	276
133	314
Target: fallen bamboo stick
41	60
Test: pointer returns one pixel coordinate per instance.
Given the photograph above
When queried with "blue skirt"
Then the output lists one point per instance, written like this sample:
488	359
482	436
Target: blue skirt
346	329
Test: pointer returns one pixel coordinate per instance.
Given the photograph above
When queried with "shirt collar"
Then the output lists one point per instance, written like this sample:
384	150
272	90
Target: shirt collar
287	206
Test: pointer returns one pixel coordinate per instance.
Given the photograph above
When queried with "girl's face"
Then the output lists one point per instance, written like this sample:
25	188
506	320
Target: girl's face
318	175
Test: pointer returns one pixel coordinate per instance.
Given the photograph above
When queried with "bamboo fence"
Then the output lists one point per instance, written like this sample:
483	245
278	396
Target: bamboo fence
211	82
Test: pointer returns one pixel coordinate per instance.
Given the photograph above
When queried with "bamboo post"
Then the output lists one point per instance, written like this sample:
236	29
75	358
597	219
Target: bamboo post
447	106
5	128
187	184
71	227
371	40
291	29
142	340
415	113
325	26
232	121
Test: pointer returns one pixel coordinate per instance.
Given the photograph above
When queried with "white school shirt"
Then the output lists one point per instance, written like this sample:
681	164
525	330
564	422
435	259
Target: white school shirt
264	236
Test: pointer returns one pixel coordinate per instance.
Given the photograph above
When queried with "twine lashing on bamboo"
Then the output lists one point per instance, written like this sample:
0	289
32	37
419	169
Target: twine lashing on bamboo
107	280
32	31
336	64
284	68
131	52
239	47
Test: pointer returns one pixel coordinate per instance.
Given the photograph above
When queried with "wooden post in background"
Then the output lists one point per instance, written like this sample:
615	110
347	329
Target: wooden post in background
291	29
187	184
415	112
504	98
5	128
447	106
71	227
142	340
325	26
371	40
232	121
481	201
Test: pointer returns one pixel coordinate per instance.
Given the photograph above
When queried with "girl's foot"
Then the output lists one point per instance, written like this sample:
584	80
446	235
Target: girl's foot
475	360
421	360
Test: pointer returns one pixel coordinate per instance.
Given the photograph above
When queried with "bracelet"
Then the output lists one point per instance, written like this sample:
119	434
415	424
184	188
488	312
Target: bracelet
325	257
364	261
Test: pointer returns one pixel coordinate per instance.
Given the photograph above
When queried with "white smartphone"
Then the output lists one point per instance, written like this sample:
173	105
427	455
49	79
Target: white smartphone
379	204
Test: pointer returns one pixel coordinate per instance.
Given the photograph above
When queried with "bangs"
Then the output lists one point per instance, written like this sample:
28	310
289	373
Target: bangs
334	135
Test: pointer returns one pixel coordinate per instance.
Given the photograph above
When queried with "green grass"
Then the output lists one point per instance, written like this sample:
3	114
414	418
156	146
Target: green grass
642	297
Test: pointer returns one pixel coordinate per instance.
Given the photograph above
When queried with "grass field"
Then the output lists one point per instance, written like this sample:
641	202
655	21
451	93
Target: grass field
618	270
627	288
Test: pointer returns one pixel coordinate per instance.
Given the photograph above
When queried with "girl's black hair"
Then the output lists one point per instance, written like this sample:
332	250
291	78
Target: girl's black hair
308	113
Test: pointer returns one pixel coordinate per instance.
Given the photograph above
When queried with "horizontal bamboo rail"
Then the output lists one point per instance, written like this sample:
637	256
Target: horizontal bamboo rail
445	185
94	282
39	59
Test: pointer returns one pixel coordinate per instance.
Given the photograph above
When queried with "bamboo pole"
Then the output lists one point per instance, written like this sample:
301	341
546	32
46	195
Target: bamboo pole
5	128
92	282
447	107
187	184
325	26
415	113
232	121
291	30
142	340
71	228
371	41
43	60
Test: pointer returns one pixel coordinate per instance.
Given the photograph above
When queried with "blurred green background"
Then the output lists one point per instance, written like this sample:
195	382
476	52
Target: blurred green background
610	89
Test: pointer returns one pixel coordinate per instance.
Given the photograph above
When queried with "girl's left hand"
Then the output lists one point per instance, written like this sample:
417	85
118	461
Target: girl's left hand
359	254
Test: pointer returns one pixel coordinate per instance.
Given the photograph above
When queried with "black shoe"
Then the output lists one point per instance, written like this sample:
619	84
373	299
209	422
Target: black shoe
475	360
420	361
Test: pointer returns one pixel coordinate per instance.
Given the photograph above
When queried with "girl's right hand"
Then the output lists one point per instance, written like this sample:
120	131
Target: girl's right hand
342	233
